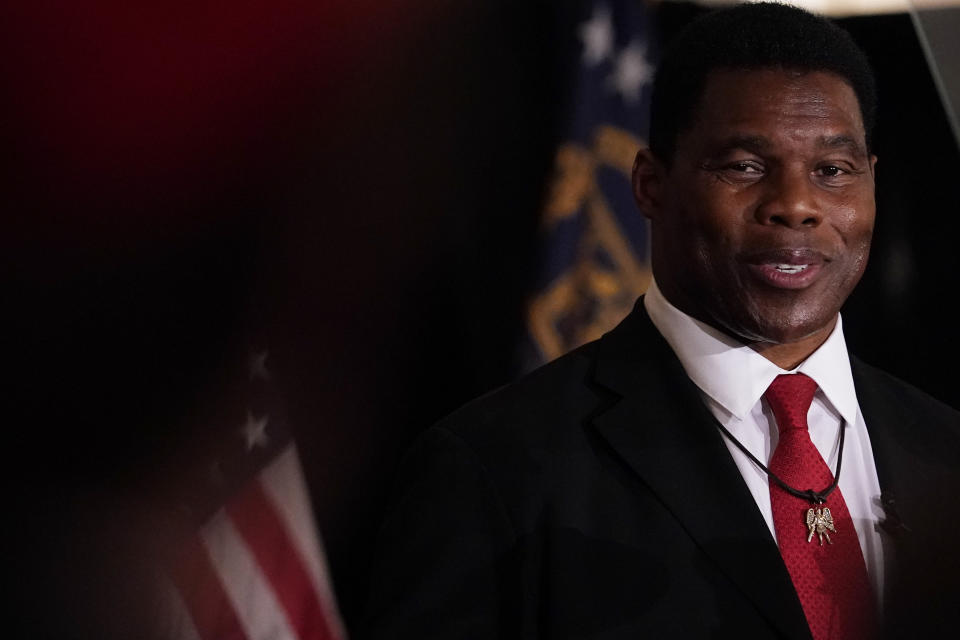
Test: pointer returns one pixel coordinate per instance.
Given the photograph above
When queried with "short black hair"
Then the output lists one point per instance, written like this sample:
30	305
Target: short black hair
751	36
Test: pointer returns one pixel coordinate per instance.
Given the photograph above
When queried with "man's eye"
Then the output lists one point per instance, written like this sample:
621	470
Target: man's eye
745	167
831	171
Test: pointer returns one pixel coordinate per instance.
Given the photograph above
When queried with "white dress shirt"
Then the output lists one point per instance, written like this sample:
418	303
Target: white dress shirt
732	379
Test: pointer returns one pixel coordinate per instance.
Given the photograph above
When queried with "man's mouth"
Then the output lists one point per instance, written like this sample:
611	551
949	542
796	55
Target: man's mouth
787	268
790	268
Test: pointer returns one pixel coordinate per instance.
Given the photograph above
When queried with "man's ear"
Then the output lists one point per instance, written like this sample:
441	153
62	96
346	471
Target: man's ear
647	179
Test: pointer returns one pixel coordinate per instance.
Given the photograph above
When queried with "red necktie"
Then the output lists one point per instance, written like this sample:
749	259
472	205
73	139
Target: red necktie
830	576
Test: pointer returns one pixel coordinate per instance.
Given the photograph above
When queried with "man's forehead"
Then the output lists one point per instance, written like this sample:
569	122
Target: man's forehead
732	100
760	143
769	83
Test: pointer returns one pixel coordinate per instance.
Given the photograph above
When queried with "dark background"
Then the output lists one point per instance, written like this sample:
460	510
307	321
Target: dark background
354	186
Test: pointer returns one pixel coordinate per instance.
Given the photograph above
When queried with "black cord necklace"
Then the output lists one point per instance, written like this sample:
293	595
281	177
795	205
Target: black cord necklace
816	497
819	519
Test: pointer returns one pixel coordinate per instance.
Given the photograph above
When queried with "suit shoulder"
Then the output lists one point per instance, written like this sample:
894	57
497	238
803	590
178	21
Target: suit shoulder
549	397
906	418
880	383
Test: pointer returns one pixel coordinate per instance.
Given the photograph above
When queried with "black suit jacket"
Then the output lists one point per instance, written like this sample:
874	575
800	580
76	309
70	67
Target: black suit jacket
595	498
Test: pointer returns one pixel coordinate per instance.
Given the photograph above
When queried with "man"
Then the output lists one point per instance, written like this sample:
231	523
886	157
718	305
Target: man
717	465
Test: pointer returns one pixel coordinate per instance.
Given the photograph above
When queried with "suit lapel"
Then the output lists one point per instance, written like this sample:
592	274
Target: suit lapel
662	430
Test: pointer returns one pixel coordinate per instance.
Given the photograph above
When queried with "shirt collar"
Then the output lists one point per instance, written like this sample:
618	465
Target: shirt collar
734	375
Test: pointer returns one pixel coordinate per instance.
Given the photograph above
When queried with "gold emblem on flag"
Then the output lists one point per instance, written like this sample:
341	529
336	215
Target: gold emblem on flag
599	289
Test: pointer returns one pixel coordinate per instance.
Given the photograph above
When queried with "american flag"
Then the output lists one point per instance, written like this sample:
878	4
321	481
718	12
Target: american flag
255	568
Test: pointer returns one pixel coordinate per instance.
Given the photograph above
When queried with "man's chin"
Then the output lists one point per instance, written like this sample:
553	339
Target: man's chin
803	338
782	329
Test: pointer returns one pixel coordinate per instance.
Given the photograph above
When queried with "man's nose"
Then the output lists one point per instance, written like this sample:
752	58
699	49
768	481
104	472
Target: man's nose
789	199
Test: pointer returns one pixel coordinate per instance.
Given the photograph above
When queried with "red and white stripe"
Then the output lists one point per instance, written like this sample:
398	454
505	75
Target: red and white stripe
256	570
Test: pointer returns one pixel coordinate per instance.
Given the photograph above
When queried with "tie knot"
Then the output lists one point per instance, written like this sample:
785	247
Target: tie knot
790	396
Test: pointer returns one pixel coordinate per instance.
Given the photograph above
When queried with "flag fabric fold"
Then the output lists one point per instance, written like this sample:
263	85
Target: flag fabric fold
254	568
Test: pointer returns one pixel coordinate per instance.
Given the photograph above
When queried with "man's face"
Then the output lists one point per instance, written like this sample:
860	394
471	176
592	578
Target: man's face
765	216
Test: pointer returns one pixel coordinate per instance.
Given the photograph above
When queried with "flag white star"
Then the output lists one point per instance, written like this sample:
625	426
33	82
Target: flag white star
597	36
254	432
631	72
257	365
